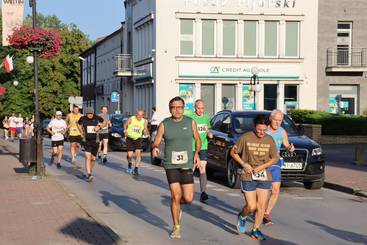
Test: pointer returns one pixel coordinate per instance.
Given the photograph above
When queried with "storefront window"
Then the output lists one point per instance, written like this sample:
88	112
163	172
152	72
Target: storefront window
207	95
229	37
270	96
228	97
187	92
208	27
186	38
291	38
271	38
249	47
291	97
343	99
247	98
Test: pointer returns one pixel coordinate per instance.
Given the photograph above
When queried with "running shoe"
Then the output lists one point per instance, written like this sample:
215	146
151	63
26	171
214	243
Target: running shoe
129	170
175	234
257	234
137	171
58	165
266	220
89	178
241	223
73	160
99	156
104	160
204	197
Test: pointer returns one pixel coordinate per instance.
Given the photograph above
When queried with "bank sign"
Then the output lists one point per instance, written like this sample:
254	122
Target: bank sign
247	4
238	71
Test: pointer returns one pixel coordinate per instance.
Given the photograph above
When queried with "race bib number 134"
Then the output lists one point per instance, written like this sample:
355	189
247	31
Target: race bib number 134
260	176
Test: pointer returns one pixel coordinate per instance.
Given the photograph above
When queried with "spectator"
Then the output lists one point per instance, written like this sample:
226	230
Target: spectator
6	127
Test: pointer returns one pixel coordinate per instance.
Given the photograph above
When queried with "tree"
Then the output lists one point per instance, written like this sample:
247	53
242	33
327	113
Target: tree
58	77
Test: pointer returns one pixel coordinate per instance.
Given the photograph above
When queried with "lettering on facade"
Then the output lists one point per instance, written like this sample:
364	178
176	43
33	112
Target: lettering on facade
218	69
13	1
248	4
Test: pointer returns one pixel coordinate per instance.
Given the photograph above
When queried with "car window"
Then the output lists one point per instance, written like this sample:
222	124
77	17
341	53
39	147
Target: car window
118	121
289	126
216	122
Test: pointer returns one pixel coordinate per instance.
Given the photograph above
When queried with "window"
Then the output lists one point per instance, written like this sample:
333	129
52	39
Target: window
229	37
208	35
249	48
187	37
270	96
344	43
228	97
216	121
271	38
207	95
291	38
291	97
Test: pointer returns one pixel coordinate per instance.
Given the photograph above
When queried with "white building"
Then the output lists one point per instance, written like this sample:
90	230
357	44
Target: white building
207	49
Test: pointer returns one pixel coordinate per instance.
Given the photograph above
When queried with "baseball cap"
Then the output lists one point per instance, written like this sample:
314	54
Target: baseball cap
89	110
58	113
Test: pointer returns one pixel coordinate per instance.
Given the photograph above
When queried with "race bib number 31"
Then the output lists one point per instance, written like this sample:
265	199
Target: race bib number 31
179	157
260	176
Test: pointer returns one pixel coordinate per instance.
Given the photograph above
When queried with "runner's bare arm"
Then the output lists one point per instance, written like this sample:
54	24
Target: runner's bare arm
125	126
81	130
247	167
288	146
146	130
49	130
157	140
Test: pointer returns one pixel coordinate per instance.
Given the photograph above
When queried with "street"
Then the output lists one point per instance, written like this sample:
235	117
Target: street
137	208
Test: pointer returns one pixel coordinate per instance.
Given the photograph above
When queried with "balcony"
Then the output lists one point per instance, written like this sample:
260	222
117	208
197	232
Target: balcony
346	60
124	65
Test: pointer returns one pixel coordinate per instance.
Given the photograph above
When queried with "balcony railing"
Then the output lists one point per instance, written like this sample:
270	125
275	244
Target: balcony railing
124	65
347	58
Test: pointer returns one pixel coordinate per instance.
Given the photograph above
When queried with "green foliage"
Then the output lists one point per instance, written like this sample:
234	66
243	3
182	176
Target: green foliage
58	77
332	124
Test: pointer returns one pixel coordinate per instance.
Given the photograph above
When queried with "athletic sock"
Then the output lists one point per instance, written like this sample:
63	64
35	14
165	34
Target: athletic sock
203	181
129	165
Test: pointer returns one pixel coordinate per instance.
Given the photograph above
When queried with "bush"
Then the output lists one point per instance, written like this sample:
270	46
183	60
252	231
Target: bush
332	124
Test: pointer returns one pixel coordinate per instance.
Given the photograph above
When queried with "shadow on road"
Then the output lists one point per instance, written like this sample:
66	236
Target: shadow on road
274	241
342	234
134	207
89	232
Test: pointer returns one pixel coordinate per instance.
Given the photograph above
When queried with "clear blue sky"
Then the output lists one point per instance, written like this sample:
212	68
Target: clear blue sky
96	18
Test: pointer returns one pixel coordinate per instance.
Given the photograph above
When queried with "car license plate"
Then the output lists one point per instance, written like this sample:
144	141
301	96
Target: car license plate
292	165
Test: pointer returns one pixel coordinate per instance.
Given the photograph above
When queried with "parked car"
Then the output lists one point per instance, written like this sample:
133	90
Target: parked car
306	164
117	141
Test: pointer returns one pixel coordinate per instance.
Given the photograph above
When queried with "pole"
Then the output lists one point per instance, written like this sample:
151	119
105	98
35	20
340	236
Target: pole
37	123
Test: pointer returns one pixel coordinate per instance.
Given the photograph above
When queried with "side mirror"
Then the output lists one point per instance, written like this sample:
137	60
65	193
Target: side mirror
301	129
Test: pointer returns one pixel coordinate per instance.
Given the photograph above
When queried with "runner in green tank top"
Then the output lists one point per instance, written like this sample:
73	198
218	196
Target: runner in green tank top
178	132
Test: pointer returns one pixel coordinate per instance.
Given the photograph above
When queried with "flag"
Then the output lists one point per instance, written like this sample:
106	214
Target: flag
8	63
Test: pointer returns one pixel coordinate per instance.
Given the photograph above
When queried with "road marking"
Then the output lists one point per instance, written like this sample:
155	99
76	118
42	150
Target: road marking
307	198
232	194
219	189
210	185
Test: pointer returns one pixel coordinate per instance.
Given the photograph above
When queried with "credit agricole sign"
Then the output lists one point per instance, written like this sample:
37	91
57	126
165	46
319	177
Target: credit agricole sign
248	4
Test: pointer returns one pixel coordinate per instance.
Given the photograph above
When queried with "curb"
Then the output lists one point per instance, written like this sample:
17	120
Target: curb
345	189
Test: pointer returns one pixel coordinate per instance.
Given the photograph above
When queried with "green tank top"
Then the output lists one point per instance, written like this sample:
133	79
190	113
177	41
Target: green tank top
178	138
135	128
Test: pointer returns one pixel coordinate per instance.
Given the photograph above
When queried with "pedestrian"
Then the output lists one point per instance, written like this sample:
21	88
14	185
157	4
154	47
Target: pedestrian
153	120
57	129
202	121
27	129
179	159
89	126
6	127
12	126
32	125
103	135
20	125
75	137
255	152
280	137
134	128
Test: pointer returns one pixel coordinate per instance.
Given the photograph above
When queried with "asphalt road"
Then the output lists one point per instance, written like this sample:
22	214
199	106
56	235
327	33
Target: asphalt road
137	208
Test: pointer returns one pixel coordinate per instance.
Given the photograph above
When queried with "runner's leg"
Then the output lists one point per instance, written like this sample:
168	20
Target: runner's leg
88	159
250	203
176	195
60	149
275	190
262	198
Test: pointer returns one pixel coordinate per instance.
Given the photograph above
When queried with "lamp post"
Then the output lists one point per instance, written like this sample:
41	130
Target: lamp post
37	123
254	81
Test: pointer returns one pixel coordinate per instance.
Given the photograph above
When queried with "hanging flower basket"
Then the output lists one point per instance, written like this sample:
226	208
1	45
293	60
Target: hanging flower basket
45	41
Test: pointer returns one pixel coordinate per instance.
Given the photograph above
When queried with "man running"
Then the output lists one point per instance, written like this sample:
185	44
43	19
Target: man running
280	137
178	132
75	138
89	126
255	152
103	135
202	121
134	128
57	128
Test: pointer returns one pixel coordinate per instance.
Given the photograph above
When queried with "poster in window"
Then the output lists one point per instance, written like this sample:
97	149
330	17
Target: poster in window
247	98
187	92
333	105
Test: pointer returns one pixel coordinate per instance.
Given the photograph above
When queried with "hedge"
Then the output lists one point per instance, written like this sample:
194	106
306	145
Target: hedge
332	124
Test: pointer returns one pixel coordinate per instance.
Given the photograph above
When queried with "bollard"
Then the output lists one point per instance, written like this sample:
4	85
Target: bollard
359	155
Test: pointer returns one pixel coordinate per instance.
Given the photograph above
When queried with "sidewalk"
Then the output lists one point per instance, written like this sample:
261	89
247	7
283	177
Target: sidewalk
40	211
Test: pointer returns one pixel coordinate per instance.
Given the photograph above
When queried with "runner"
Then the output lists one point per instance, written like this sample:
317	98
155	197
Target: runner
89	126
255	151
153	120
6	127
12	126
178	132
20	125
74	133
134	128
103	135
57	128
203	124
280	137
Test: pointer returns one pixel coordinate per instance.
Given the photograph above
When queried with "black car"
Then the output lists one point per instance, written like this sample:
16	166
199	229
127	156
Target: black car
116	139
306	164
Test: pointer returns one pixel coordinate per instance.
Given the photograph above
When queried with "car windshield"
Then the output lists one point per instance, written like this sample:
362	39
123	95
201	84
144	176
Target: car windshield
118	120
245	123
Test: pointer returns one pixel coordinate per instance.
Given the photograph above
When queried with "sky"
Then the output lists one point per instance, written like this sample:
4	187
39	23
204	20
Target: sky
96	18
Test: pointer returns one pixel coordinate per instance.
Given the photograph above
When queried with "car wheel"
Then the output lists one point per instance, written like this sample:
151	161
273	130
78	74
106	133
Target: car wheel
233	180
314	185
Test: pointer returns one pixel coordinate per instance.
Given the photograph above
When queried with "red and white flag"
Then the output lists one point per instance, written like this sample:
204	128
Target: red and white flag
8	63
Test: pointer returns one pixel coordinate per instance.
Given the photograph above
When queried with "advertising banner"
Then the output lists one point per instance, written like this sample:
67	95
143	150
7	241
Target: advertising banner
12	16
247	98
187	92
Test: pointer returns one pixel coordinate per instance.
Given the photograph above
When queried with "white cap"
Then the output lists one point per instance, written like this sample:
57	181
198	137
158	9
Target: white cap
58	113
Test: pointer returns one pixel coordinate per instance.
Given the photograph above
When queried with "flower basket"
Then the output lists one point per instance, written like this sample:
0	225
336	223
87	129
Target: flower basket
45	41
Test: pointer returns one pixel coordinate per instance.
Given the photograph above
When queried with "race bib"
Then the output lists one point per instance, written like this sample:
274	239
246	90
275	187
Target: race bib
260	176
202	128
90	130
137	130
74	130
179	157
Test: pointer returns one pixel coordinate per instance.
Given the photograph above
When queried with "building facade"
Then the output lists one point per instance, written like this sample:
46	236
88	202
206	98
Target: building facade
342	55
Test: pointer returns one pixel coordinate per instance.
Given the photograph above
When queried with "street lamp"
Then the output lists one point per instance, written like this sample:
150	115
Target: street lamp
254	82
37	124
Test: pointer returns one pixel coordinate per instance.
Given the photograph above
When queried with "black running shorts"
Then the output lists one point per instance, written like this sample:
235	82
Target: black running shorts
76	139
91	146
56	143
178	175
132	145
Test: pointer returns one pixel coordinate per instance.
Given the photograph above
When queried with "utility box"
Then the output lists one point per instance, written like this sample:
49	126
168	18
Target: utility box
27	151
